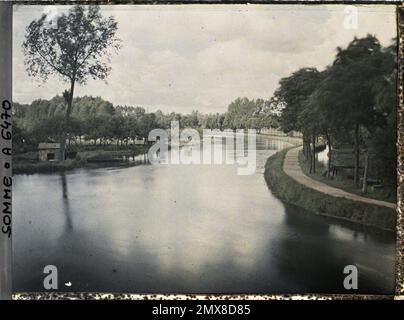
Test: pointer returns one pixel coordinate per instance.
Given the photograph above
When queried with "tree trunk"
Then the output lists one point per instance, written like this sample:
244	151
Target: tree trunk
308	147
314	153
329	154
67	120
365	175
356	155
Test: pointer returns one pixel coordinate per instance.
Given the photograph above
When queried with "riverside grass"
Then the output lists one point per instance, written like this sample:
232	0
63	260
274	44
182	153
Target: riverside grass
314	201
21	166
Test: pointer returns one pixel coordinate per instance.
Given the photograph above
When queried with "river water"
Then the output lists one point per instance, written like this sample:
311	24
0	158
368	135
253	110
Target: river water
185	229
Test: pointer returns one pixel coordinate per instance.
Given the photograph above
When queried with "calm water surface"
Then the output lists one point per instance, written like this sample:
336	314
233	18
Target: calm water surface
185	228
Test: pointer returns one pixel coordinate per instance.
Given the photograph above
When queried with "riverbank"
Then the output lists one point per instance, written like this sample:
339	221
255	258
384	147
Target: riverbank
96	158
291	191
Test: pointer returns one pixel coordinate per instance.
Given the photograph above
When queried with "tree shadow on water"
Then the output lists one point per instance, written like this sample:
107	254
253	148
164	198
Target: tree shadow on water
311	258
66	205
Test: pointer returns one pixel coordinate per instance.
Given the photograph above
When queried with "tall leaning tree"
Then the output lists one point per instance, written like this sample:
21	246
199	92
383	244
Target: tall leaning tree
75	46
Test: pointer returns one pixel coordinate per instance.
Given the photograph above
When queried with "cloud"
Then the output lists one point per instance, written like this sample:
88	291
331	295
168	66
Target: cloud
180	58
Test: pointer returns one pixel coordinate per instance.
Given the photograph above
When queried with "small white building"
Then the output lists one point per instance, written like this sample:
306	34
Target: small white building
49	151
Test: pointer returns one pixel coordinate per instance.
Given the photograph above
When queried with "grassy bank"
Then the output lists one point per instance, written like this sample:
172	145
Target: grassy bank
293	192
344	183
95	158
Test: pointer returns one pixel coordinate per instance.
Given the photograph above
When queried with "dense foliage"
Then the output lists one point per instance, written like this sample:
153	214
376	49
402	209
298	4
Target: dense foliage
351	103
96	121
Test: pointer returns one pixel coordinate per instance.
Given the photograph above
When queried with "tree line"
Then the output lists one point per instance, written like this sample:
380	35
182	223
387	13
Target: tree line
76	46
352	102
96	121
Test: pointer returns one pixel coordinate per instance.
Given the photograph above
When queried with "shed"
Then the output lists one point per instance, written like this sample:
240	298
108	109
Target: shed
49	151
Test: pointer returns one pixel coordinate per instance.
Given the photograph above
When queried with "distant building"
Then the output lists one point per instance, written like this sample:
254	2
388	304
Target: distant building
49	151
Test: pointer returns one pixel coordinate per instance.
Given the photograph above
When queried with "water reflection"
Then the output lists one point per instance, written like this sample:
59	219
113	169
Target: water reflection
140	159
340	245
312	266
66	208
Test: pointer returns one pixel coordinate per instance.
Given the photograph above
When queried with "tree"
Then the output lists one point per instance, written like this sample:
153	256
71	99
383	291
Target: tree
380	142
247	114
292	94
308	122
145	124
72	47
324	106
291	99
354	74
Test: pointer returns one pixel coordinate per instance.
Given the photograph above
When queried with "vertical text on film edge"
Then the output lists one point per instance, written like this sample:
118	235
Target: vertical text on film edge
6	154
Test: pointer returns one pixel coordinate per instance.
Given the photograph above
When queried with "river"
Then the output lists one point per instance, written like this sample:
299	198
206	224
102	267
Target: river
185	229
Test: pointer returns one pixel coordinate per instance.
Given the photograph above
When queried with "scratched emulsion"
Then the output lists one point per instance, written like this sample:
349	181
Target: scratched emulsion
185	229
400	161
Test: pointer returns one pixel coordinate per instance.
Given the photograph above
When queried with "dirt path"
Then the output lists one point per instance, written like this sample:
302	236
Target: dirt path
292	169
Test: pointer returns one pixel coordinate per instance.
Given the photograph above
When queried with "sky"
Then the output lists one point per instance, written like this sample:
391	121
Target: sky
202	57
